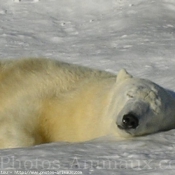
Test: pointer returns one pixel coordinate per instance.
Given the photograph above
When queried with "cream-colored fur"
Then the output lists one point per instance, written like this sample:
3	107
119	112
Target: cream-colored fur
44	100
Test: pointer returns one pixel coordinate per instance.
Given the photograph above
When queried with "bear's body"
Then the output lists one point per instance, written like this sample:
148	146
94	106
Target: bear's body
47	101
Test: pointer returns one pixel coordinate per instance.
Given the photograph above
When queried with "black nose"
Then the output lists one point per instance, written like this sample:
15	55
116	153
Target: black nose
130	121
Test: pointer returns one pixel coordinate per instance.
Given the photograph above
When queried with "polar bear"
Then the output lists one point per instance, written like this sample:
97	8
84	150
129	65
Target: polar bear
43	100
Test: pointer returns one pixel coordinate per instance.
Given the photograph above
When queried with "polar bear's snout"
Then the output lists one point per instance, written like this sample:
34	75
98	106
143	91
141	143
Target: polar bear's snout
133	117
130	121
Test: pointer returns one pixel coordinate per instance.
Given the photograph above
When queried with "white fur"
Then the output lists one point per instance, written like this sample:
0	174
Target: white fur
44	101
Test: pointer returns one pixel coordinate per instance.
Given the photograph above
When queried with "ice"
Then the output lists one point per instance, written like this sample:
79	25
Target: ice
109	35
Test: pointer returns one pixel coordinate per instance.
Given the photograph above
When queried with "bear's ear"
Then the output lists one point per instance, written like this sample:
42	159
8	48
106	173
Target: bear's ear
122	75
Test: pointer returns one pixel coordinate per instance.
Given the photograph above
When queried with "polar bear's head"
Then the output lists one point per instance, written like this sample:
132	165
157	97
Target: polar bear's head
142	106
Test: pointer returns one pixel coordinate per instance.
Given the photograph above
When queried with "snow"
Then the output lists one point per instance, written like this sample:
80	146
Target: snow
109	35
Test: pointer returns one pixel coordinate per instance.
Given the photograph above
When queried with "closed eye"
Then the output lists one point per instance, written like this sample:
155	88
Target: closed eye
129	95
